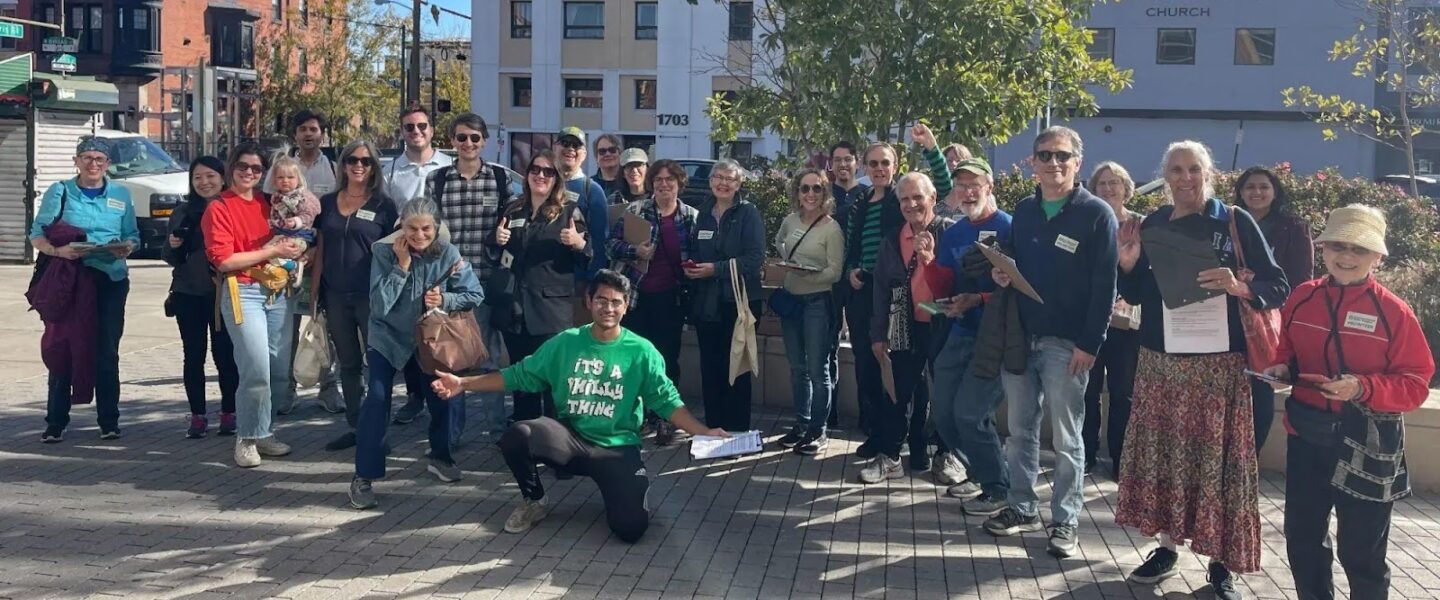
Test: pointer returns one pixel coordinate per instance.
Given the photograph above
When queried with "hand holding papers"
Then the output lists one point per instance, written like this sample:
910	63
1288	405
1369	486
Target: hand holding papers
705	446
1176	259
1007	265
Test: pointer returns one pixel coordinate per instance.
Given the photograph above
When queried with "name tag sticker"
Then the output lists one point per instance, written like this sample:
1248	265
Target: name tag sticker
985	235
489	201
1065	243
115	204
505	259
517	223
572	196
1361	321
705	234
367	215
797	234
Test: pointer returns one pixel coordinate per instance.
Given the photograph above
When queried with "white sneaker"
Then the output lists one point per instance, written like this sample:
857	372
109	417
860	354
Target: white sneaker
881	468
951	471
526	515
272	446
246	454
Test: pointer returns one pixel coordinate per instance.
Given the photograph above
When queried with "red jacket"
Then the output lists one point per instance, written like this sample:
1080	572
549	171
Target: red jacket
1365	326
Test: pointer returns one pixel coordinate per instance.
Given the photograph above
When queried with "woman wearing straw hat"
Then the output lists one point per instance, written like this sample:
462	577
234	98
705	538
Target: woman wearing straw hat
1359	360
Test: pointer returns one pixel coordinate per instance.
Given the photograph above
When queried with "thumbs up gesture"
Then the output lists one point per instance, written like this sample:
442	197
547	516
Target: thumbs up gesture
572	237
502	232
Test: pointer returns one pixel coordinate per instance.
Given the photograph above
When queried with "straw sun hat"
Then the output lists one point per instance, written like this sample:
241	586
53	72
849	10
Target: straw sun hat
1356	224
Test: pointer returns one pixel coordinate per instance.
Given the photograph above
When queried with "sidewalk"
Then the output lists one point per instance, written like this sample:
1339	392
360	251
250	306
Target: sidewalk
154	515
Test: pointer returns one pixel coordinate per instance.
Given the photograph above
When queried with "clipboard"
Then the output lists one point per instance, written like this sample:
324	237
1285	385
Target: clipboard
1176	259
887	376
789	264
637	229
615	210
1007	265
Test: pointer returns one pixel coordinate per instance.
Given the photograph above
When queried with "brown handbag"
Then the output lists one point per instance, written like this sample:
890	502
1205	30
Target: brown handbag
1262	326
449	341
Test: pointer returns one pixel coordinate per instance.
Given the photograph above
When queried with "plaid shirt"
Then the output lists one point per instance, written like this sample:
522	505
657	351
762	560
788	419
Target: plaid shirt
472	209
622	254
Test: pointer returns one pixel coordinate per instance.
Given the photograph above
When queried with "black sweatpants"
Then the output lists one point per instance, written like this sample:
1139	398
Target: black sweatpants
869	386
195	315
618	472
727	406
1114	368
656	317
905	418
528	405
1362	528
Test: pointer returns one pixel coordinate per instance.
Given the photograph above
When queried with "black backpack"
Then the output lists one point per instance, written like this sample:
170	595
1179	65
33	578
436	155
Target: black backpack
502	185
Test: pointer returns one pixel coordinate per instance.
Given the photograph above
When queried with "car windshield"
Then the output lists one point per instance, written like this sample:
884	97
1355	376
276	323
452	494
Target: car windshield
697	171
132	156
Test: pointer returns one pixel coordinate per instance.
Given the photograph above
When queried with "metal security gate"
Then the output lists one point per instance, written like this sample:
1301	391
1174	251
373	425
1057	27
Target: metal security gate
14	137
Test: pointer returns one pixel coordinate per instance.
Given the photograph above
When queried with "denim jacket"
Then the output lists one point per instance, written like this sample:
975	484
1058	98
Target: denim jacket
397	297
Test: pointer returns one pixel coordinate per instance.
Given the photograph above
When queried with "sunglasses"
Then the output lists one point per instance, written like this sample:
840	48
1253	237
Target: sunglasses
875	164
606	151
351	161
806	188
1046	156
255	168
572	144
413	127
473	138
546	172
1343	248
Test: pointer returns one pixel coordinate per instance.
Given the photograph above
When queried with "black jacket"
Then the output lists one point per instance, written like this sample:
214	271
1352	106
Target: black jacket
890	270
544	268
192	275
854	224
1000	340
740	235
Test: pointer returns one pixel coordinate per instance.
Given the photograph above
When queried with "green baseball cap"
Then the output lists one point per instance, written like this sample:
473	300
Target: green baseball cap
977	166
575	132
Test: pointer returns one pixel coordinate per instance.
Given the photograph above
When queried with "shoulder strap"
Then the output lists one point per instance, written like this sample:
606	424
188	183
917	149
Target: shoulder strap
802	237
441	175
1235	240
502	184
64	195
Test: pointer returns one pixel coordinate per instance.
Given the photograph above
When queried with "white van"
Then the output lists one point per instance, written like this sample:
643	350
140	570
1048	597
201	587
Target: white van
156	183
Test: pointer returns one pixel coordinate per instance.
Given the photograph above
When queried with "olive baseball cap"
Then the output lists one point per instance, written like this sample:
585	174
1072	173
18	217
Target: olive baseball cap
977	166
574	132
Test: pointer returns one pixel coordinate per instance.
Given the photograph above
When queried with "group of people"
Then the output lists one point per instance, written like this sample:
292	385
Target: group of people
954	308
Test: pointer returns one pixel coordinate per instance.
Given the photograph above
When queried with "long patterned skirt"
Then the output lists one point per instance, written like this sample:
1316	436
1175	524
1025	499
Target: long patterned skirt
1190	465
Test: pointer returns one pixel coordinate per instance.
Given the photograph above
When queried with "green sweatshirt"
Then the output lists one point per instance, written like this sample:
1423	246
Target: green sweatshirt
598	386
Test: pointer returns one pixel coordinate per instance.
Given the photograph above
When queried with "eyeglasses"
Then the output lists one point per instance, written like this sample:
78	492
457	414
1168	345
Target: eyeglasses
724	179
875	164
413	127
571	144
1343	248
255	168
546	172
970	187
1046	156
473	138
635	166
608	150
604	303
351	161
806	188
94	160
665	179
843	160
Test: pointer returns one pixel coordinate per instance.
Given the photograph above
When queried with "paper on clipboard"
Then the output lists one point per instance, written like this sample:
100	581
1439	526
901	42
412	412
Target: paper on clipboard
789	264
1176	259
637	229
1007	265
705	446
615	210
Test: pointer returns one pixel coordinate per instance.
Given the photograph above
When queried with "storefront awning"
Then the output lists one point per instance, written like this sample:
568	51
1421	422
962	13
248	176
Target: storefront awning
15	73
75	93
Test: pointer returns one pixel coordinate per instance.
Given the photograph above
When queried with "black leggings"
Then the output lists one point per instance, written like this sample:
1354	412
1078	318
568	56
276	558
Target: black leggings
528	405
195	316
618	471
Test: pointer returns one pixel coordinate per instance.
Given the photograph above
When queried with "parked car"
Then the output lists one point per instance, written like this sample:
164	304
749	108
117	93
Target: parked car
156	182
697	175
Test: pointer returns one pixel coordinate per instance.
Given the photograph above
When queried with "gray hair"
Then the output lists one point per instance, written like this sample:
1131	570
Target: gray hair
376	180
728	165
1202	154
921	180
1117	170
420	207
1060	131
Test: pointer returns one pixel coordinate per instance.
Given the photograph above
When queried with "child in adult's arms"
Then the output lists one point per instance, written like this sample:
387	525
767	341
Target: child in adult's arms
597	374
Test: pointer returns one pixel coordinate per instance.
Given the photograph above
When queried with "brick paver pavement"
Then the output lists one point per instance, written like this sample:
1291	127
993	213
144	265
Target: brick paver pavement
154	515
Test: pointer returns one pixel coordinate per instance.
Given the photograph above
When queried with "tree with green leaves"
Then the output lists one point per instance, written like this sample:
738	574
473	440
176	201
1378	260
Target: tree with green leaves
1396	45
977	70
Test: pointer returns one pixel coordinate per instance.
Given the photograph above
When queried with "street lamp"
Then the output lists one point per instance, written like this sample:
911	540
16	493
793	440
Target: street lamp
412	82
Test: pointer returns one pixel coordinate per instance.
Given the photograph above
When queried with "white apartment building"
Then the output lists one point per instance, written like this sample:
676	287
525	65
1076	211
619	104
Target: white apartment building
639	69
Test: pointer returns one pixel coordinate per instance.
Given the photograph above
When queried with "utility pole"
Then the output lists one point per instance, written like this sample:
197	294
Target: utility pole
414	80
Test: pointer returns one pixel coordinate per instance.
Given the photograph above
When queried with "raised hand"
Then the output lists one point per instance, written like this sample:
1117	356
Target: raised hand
502	233
925	247
402	253
922	134
1127	242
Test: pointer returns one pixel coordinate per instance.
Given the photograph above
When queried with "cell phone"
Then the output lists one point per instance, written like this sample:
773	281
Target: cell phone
1268	378
181	232
689	263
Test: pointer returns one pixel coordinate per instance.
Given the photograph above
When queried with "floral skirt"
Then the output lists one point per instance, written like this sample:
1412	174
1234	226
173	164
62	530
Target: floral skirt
1190	465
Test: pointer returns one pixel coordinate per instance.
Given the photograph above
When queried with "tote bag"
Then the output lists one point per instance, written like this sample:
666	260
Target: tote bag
744	346
313	354
1262	326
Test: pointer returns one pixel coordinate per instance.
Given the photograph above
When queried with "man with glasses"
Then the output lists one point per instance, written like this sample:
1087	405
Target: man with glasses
607	158
1063	243
846	190
570	153
405	179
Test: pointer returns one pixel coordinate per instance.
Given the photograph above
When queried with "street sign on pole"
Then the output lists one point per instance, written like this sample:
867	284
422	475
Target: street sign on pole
56	43
64	63
12	30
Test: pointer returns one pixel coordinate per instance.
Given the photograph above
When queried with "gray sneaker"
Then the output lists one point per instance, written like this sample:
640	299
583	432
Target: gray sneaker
447	472
361	496
1062	541
332	399
881	468
272	446
985	505
526	515
964	490
287	403
407	413
950	471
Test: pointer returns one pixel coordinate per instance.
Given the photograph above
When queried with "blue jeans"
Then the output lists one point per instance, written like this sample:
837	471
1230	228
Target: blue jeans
375	415
1047	381
807	345
963	409
262	355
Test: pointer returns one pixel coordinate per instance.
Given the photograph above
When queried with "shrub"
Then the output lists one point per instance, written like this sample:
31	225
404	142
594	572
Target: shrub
1418	283
770	192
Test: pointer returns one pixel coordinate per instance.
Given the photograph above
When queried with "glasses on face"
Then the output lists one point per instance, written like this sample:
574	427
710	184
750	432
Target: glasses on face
473	138
606	303
351	161
724	179
662	180
1343	248
607	150
876	164
970	188
1046	156
571	144
546	172
843	160
635	167
413	127
255	168
94	160
806	188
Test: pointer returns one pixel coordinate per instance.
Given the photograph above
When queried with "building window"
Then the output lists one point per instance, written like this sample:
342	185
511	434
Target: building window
584	20
739	150
520	20
1102	44
520	92
644	94
1175	47
584	93
134	29
304	11
647	20
523	145
742	21
302	63
86	24
277	10
8	43
1254	46
643	142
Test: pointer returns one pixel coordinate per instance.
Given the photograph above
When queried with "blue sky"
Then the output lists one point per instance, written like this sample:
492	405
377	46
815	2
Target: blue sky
450	25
